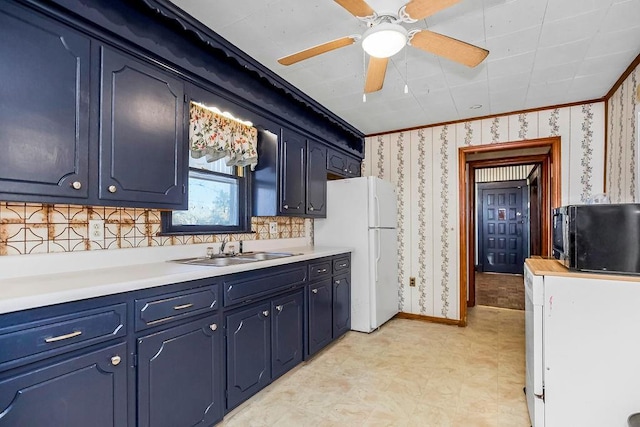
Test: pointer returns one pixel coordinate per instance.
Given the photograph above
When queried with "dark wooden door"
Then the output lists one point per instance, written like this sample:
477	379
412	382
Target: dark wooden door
248	353
535	218
44	107
142	148
341	305
320	316
500	219
292	170
180	375
286	333
316	179
87	390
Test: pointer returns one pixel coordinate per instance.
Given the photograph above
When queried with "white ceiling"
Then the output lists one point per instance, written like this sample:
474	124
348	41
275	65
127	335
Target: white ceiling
542	53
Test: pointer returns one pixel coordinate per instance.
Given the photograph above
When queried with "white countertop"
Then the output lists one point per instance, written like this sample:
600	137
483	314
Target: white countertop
23	291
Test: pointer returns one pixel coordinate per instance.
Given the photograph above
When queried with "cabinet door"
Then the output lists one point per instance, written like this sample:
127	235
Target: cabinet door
248	353
142	147
286	333
316	179
44	107
292	174
179	376
341	305
320	321
353	167
337	163
88	390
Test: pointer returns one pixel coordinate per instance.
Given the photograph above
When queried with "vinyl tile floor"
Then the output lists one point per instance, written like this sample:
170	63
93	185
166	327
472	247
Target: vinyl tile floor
408	373
500	290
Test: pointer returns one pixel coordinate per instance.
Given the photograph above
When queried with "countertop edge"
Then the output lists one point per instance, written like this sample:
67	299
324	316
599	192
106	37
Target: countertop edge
30	292
552	267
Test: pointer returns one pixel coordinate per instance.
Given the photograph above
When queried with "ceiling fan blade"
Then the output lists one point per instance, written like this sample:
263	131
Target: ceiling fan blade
375	74
356	7
449	48
420	9
317	50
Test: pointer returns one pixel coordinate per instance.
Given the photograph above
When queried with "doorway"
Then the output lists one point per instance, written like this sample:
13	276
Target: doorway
544	151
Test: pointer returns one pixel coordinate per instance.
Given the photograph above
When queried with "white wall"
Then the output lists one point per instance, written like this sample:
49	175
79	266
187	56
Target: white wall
423	164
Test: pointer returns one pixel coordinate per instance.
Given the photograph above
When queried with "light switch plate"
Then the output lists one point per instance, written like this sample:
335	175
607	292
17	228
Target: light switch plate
273	228
96	229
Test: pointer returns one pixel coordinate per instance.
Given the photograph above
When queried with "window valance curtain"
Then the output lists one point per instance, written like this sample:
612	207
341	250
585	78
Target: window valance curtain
216	136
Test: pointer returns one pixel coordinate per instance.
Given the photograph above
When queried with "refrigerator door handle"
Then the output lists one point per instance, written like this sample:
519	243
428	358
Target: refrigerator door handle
377	252
377	218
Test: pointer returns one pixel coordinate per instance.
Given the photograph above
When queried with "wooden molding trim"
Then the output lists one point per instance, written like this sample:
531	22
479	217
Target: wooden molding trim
430	319
622	78
550	177
490	116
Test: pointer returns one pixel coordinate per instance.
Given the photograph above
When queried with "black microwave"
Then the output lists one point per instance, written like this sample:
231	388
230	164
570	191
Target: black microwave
598	238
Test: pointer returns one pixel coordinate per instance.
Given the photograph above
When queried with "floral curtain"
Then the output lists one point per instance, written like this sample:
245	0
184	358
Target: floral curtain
216	136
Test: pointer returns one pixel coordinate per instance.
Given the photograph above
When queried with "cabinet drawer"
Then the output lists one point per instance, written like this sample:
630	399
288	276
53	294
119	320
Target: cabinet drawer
165	308
251	286
341	264
320	269
28	342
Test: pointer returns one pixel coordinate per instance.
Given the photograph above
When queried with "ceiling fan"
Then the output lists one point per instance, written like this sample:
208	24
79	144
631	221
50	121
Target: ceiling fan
386	36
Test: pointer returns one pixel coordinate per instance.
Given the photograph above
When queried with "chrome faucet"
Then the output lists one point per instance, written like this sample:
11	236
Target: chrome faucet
223	244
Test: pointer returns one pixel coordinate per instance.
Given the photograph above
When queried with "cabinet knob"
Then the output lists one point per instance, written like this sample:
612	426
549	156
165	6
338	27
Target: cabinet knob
350	171
266	313
310	208
345	170
337	282
213	327
76	185
279	307
112	189
343	265
115	360
315	291
324	270
285	207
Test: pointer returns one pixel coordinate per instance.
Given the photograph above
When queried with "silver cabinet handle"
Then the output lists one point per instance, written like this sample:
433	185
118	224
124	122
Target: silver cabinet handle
115	360
310	208
76	185
112	189
183	306
345	170
213	327
315	291
343	265
266	313
63	337
279	307
337	282
285	207
324	270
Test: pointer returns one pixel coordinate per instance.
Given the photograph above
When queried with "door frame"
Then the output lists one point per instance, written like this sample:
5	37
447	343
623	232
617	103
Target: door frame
520	184
504	154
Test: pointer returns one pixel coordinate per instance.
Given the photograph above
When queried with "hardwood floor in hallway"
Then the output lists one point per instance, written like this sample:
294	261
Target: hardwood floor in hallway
408	373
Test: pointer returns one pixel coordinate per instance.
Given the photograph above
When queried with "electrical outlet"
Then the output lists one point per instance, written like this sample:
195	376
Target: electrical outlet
412	281
273	228
96	229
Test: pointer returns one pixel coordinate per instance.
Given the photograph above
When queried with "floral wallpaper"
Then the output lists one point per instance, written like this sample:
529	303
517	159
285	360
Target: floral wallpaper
423	163
29	228
622	141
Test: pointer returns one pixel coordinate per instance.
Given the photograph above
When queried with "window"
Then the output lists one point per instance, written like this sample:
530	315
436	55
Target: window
218	200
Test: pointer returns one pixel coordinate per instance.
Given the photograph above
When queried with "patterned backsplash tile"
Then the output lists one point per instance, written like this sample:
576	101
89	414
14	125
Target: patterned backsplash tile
29	228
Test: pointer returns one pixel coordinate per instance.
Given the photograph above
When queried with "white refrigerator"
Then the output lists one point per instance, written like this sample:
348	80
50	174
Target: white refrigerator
361	213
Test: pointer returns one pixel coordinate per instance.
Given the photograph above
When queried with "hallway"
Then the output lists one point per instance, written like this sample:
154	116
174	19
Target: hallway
500	290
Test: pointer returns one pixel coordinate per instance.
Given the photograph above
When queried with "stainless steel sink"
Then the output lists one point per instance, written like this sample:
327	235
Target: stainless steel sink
264	256
227	260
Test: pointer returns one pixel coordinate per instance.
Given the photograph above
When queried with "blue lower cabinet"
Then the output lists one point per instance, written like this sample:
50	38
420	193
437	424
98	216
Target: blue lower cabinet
286	333
248	352
180	375
86	390
320	315
341	305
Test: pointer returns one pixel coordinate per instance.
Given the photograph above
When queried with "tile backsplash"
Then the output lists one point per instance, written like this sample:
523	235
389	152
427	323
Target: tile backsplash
29	228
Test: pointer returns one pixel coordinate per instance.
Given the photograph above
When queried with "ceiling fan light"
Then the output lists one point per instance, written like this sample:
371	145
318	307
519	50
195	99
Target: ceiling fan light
384	40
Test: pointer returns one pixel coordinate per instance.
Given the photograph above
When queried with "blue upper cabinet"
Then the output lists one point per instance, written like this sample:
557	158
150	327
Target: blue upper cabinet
142	142
44	108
